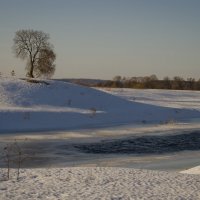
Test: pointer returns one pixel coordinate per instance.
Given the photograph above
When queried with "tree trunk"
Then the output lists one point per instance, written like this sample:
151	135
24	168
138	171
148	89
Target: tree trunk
31	69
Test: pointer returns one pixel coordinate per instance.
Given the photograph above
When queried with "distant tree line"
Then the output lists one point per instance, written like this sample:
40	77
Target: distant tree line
152	82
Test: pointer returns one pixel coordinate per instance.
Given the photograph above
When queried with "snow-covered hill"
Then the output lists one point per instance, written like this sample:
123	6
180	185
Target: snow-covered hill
57	105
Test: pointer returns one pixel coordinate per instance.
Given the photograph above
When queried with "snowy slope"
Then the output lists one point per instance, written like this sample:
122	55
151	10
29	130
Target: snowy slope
56	105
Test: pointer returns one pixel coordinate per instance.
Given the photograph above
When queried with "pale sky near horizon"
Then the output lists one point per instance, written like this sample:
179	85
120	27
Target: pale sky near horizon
104	38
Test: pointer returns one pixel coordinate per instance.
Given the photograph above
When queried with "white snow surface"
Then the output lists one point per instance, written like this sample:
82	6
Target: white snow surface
167	98
26	106
99	183
193	170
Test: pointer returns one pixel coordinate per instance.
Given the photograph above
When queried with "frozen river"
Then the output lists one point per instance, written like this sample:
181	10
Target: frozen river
167	150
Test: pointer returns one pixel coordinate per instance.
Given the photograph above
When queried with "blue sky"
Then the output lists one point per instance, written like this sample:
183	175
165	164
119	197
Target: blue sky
104	38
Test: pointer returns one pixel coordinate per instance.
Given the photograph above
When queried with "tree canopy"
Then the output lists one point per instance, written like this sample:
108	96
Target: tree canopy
34	47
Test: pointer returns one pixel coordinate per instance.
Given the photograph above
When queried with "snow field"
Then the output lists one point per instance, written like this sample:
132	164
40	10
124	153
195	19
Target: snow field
26	106
100	183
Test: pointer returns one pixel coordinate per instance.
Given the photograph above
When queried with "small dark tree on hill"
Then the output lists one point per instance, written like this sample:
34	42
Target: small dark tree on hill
12	73
34	46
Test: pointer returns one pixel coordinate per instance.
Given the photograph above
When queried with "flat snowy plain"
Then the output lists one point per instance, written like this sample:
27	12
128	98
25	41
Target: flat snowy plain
63	125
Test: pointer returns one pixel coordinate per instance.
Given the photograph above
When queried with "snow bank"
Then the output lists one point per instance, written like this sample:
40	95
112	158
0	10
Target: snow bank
100	183
194	170
56	105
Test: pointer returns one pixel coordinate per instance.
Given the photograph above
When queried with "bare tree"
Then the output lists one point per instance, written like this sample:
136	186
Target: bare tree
44	65
19	157
166	82
7	158
153	77
13	156
34	46
117	78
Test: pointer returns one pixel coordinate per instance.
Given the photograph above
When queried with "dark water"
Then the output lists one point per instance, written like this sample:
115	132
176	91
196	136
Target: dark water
153	144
